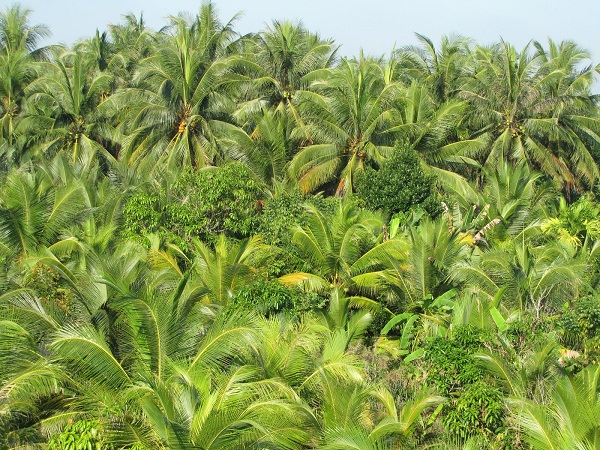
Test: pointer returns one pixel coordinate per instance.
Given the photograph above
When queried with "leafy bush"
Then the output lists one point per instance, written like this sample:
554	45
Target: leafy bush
450	363
271	298
143	214
281	212
479	410
399	185
214	201
580	326
203	204
586	313
476	406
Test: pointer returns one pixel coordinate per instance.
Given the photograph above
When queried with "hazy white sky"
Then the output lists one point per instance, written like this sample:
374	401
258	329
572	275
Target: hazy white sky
374	26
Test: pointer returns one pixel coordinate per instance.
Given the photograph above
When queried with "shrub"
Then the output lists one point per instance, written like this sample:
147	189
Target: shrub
479	410
475	406
142	214
399	185
202	204
271	298
215	201
580	327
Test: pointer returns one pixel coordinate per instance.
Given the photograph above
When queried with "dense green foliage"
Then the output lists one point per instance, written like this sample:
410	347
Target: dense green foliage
270	298
201	204
77	436
218	241
398	185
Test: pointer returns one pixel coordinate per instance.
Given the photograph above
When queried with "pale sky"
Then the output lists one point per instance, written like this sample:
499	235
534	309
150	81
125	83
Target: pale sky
374	26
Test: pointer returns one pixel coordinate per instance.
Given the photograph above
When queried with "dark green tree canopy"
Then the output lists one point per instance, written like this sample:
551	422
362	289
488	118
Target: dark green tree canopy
201	203
398	185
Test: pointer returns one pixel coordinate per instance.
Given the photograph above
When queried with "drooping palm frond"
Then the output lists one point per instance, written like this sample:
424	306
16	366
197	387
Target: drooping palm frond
223	342
351	438
339	245
349	122
226	268
570	420
85	350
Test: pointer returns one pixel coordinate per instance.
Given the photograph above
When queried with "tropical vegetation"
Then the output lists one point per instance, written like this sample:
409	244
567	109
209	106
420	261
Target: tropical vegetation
217	241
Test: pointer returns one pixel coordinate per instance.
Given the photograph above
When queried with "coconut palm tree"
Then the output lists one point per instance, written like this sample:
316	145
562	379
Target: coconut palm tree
440	70
349	118
99	48
339	246
524	109
131	43
170	115
18	53
17	34
288	57
64	103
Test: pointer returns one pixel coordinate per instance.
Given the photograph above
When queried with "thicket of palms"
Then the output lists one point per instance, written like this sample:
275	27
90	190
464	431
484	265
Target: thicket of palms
321	322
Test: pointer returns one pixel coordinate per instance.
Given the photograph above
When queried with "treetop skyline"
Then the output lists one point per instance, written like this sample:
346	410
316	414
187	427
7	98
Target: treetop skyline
375	29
